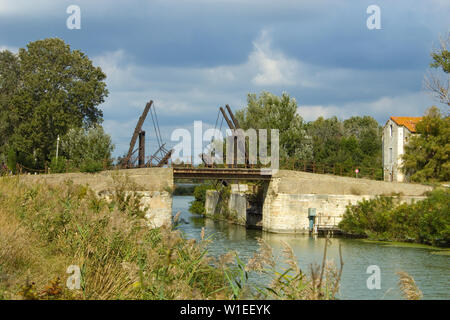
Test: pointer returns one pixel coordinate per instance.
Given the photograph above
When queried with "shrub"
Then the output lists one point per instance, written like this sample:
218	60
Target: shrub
198	205
58	165
426	221
91	166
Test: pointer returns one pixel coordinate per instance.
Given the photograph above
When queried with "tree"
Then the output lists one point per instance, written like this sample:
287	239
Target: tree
59	89
346	145
87	147
367	131
326	135
268	111
9	80
438	82
426	156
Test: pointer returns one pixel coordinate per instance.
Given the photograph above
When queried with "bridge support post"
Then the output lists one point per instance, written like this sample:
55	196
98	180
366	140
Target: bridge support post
141	156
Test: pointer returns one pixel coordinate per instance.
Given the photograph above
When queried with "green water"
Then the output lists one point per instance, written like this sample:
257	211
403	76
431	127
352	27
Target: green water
430	271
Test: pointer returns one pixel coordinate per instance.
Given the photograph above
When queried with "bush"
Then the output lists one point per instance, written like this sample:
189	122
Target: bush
426	221
198	205
58	165
87	149
91	166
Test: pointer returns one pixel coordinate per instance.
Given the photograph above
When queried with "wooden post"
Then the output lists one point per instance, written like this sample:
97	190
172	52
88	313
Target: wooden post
141	161
137	130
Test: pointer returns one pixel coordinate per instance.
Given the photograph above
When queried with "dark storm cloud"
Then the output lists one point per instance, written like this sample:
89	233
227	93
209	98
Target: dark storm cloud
192	56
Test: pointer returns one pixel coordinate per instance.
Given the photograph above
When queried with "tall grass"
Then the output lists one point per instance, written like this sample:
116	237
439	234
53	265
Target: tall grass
44	229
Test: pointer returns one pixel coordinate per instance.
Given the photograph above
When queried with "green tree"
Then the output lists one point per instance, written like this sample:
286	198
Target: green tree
367	132
268	111
426	156
9	80
59	89
346	145
326	135
87	148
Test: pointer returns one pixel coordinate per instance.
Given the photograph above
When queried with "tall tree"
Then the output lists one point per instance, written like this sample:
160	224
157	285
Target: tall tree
367	132
326	135
9	83
427	154
269	111
59	89
349	144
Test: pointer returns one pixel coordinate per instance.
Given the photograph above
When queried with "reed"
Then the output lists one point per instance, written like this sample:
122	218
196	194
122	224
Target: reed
408	286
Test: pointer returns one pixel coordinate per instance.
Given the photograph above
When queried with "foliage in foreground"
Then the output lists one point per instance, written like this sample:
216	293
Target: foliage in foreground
426	221
120	257
45	229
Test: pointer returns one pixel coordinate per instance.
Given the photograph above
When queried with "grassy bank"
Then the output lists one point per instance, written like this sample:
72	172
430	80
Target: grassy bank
46	229
383	218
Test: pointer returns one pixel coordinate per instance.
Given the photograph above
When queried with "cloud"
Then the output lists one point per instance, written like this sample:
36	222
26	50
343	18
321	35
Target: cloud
9	48
191	57
273	67
185	94
408	104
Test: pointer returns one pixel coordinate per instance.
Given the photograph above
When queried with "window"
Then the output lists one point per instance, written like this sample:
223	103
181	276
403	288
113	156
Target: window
390	155
390	130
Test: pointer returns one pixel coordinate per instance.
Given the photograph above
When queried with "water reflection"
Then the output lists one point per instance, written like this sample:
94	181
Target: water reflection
431	272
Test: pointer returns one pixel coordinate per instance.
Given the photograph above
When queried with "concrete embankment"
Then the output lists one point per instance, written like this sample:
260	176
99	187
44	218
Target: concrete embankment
153	184
287	199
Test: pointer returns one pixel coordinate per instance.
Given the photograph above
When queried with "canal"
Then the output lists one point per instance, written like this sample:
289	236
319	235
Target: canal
431	271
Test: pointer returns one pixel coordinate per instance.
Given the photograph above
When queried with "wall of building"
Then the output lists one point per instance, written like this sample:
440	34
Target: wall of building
400	136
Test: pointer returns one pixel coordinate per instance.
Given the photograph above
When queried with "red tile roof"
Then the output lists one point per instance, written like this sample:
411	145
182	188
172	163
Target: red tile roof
408	122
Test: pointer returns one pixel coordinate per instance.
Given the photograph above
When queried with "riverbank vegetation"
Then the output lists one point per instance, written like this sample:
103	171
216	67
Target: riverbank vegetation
45	229
222	211
384	218
197	206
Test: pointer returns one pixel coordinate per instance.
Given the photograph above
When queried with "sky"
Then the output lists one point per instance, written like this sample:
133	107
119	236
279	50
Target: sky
192	56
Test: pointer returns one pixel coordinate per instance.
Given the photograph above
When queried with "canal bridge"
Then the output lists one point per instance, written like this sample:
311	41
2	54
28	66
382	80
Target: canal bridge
285	197
285	200
233	174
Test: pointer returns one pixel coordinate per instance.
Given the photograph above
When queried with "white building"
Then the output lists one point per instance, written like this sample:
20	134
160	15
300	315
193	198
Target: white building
396	134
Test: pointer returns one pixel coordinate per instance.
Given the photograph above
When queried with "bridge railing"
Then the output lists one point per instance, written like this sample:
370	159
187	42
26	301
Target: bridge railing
339	169
325	221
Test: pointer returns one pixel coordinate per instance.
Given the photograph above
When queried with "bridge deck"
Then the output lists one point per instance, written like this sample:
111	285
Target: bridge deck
222	173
